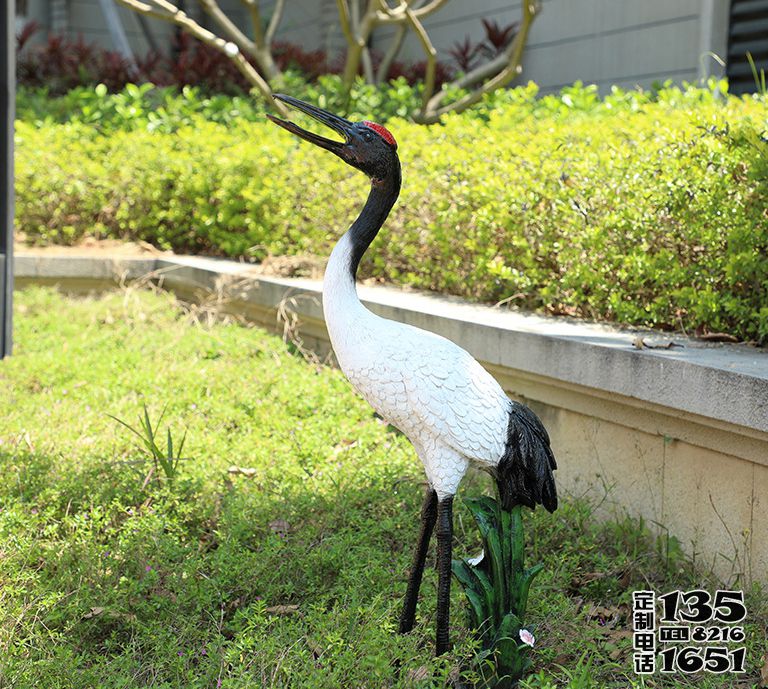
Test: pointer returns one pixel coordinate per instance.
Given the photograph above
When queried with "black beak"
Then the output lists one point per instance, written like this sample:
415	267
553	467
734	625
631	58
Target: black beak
338	124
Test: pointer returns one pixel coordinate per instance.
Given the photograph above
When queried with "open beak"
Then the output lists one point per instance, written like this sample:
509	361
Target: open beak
338	124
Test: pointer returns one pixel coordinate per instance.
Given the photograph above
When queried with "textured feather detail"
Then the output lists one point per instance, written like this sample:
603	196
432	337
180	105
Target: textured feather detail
524	474
453	398
448	424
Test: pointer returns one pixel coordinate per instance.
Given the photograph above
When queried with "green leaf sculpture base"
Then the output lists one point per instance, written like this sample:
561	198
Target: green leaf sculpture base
497	589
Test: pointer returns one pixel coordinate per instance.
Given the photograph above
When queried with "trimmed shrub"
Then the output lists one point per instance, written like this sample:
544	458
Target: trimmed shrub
647	209
167	109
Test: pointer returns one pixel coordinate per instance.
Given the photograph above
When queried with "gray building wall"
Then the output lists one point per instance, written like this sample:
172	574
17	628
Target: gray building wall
624	42
85	18
312	24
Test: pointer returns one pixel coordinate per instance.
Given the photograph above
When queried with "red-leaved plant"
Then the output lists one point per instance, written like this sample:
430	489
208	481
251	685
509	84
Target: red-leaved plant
62	63
467	54
194	63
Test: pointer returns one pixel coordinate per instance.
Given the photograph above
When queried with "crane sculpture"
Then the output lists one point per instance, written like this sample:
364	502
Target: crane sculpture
450	408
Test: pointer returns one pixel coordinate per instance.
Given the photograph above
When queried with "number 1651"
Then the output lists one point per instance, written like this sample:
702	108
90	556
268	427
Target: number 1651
714	659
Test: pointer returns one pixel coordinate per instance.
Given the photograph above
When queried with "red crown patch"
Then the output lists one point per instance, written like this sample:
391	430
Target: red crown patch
383	132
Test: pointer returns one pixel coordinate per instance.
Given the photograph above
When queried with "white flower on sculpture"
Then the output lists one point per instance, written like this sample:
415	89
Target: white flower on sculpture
475	561
527	638
231	49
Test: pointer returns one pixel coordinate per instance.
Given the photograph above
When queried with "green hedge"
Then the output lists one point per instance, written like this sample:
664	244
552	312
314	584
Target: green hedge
167	109
639	208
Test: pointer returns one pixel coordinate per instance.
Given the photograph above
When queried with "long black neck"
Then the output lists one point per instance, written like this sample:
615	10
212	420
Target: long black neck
382	197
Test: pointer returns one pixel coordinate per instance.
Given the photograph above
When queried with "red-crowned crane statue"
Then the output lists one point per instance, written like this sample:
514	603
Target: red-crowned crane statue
450	408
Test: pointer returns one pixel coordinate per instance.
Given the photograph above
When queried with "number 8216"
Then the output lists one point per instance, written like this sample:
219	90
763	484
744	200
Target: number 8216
721	634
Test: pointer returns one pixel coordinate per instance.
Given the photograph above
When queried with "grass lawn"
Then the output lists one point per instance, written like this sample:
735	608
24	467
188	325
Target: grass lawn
287	574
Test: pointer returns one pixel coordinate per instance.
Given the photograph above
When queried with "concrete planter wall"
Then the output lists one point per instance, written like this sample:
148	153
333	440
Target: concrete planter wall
677	436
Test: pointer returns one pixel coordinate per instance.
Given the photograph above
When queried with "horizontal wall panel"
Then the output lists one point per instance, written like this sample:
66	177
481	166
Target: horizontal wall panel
748	34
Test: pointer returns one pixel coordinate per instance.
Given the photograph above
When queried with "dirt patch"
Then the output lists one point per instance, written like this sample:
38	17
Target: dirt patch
92	247
301	266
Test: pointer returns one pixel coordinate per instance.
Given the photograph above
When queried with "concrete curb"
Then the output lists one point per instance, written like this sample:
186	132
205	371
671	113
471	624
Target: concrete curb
723	382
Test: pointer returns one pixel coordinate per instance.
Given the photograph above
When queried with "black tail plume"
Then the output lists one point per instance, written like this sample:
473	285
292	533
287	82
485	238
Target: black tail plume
524	474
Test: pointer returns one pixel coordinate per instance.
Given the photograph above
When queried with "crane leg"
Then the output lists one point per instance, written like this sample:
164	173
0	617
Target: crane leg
444	545
428	516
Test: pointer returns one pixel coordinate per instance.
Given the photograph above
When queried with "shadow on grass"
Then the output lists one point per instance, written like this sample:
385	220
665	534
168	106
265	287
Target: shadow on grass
110	580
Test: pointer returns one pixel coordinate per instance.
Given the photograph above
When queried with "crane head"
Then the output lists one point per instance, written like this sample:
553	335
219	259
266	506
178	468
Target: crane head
367	146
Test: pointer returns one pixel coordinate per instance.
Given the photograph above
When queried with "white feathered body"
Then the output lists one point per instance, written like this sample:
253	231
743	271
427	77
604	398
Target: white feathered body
450	408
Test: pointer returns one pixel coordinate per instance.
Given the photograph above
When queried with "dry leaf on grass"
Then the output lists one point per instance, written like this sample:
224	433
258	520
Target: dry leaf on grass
624	576
316	648
283	609
640	343
419	674
280	527
607	617
244	471
718	337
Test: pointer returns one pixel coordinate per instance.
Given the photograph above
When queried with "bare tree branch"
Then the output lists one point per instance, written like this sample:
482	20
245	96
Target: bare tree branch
235	34
354	8
258	49
357	31
364	56
389	15
274	21
367	62
430	8
396	43
167	11
509	65
392	51
431	55
482	72
255	12
146	10
345	20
